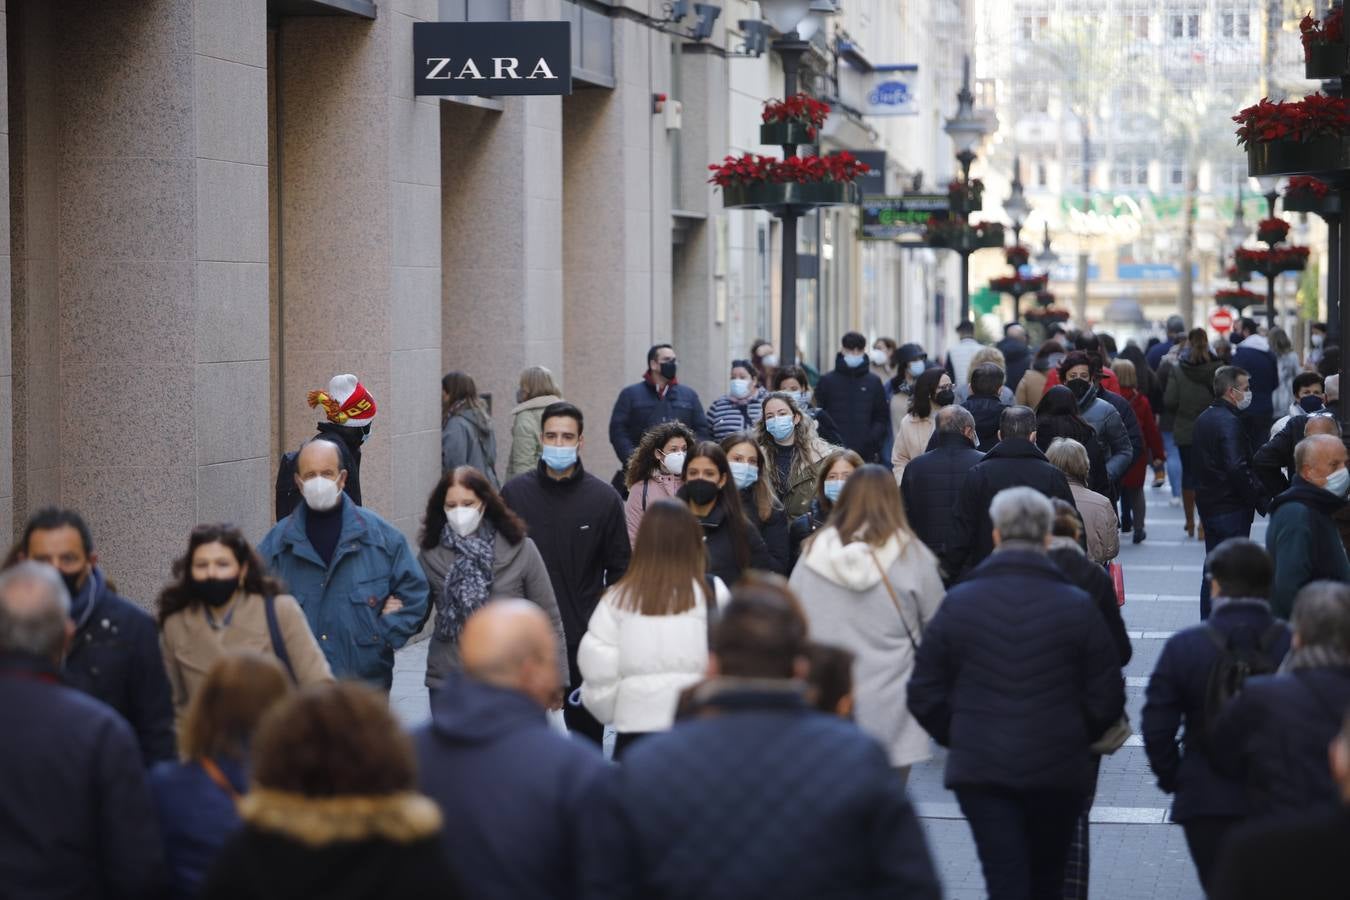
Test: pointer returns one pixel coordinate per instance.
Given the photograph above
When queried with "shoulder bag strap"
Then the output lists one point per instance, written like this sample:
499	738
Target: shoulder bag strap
274	632
894	599
710	601
644	493
216	775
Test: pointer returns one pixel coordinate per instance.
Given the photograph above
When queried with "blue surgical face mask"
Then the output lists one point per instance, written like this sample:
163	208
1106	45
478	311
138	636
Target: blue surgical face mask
779	426
740	387
559	459
853	360
833	489
916	367
802	397
745	474
1338	482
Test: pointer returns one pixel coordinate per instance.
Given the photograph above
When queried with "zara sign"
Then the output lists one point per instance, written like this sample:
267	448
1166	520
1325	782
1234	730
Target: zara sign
491	59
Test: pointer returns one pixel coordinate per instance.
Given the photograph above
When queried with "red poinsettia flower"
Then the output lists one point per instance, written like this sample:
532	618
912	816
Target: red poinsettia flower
752	169
1330	30
1316	115
1272	261
1018	255
1307	184
1272	231
1239	297
799	108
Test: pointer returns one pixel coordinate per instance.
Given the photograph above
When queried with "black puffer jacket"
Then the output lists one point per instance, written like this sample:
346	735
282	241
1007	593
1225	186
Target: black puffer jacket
717	538
1017	355
987	411
773	530
1017	676
856	401
1225	481
1275	735
1091	577
1129	419
931	485
1012	463
805	525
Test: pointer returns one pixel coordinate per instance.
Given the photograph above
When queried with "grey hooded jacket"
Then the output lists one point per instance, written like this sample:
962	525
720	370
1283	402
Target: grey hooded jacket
467	440
1104	419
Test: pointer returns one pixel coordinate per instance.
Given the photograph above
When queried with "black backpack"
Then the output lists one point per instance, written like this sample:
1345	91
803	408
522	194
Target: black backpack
1238	660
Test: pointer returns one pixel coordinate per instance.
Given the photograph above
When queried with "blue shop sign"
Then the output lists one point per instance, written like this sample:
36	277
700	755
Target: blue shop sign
1152	271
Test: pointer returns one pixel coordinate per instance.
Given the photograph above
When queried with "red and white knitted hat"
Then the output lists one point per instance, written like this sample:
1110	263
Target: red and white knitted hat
346	402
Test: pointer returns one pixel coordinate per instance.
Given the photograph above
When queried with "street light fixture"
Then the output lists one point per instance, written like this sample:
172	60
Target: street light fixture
815	19
1016	205
784	15
966	129
1270	189
1047	258
1238	231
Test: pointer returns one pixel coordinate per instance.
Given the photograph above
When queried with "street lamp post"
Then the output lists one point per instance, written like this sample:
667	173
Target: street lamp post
787	18
1018	209
966	129
1270	189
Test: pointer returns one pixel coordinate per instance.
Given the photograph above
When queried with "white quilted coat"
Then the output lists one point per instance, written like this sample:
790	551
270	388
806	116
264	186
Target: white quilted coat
633	667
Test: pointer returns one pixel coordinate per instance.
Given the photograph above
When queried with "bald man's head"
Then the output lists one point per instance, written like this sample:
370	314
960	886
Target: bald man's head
510	644
1318	457
34	607
1321	425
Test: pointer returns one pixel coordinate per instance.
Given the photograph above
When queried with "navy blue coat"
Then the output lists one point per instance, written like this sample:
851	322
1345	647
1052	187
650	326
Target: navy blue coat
762	798
931	485
1275	734
1174	704
639	407
196	817
1225	480
1017	675
1264	370
855	398
76	820
511	790
115	657
987	412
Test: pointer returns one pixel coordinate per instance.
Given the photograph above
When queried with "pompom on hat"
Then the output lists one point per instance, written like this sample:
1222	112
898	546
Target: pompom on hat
346	402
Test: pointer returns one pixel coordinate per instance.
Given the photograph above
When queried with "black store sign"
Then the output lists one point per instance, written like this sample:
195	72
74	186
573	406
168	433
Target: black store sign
491	59
901	218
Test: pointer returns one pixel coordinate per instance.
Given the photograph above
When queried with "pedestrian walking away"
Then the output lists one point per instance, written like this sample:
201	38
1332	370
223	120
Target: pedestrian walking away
577	522
538	390
931	486
467	438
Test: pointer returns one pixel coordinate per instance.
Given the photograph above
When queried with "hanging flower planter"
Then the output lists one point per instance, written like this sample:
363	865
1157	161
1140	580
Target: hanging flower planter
1297	137
1045	298
1324	47
1238	298
1017	256
1238	276
1016	286
966	195
1272	231
771	195
1272	262
788	133
793	120
1047	315
988	234
1311	195
752	181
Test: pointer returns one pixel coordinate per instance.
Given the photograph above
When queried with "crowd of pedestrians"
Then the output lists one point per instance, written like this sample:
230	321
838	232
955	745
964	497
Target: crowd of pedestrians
775	605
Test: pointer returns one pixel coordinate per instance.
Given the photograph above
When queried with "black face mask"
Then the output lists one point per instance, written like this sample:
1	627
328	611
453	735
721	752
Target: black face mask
944	397
72	582
215	591
1311	403
700	492
1080	388
668	371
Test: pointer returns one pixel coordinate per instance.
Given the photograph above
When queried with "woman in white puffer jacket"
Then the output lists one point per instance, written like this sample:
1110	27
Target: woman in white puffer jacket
648	638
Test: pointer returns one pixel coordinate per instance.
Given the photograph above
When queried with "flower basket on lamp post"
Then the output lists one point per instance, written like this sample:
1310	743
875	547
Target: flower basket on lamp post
1296	137
1311	195
1017	256
1324	47
1272	231
772	195
1238	298
793	120
1272	262
988	234
969	197
798	182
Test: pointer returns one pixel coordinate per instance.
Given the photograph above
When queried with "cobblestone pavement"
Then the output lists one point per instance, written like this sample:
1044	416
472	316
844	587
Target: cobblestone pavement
1136	853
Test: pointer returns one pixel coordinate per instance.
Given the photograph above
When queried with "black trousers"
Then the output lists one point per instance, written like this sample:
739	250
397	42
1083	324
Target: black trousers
580	721
1022	838
625	740
1204	838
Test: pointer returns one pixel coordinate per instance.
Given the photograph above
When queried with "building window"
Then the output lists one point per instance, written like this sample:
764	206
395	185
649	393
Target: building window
1136	26
1042	176
1028	28
1244	25
1226	25
1178	26
1185	25
1178	176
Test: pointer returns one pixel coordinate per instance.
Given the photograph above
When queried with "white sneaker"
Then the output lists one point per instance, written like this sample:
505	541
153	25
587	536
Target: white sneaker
1174	501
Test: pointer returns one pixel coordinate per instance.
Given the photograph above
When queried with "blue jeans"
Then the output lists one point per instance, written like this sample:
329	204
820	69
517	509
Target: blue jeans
1173	463
1219	528
1022	838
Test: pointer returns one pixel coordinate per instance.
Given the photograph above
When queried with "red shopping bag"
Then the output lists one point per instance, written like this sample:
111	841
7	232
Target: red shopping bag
1118	581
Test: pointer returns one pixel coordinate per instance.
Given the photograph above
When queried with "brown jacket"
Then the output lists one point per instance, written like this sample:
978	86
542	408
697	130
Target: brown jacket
191	644
1030	389
1102	528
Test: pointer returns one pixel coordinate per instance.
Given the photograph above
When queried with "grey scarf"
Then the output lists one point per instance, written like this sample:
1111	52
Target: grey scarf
469	580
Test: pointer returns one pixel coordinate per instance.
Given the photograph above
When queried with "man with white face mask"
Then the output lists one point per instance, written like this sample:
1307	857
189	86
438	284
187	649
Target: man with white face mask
1228	492
354	574
1302	538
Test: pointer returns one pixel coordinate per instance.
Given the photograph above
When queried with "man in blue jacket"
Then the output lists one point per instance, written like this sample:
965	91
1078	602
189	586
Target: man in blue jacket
115	655
358	582
657	398
76	819
757	795
1303	539
1178	705
1251	351
512	791
856	399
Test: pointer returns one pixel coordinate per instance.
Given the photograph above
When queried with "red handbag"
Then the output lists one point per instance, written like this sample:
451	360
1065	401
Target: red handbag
1118	581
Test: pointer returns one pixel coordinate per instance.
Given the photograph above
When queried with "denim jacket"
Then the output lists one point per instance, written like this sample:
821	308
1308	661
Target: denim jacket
343	599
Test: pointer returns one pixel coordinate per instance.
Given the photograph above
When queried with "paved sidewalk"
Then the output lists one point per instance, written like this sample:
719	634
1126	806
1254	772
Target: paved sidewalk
1136	853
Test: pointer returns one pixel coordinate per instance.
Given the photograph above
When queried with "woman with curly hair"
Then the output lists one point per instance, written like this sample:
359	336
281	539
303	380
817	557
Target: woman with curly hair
794	450
474	548
653	471
222	600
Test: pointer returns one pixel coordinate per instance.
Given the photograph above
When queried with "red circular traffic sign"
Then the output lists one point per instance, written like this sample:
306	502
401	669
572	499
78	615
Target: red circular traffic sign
1221	320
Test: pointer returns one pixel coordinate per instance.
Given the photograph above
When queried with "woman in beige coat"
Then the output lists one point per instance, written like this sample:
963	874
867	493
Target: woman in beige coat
222	601
932	391
1100	525
869	585
537	390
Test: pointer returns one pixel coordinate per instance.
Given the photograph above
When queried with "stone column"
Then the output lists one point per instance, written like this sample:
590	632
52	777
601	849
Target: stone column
6	311
359	241
617	242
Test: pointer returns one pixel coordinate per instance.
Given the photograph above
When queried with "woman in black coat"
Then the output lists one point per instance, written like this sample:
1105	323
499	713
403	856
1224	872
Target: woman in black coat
733	542
1057	416
334	811
750	470
834	471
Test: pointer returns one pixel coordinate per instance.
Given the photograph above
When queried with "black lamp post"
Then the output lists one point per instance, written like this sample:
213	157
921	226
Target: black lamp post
787	18
1016	205
966	129
1270	189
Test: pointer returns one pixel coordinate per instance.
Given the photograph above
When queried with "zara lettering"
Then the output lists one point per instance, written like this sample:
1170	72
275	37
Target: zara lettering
502	67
